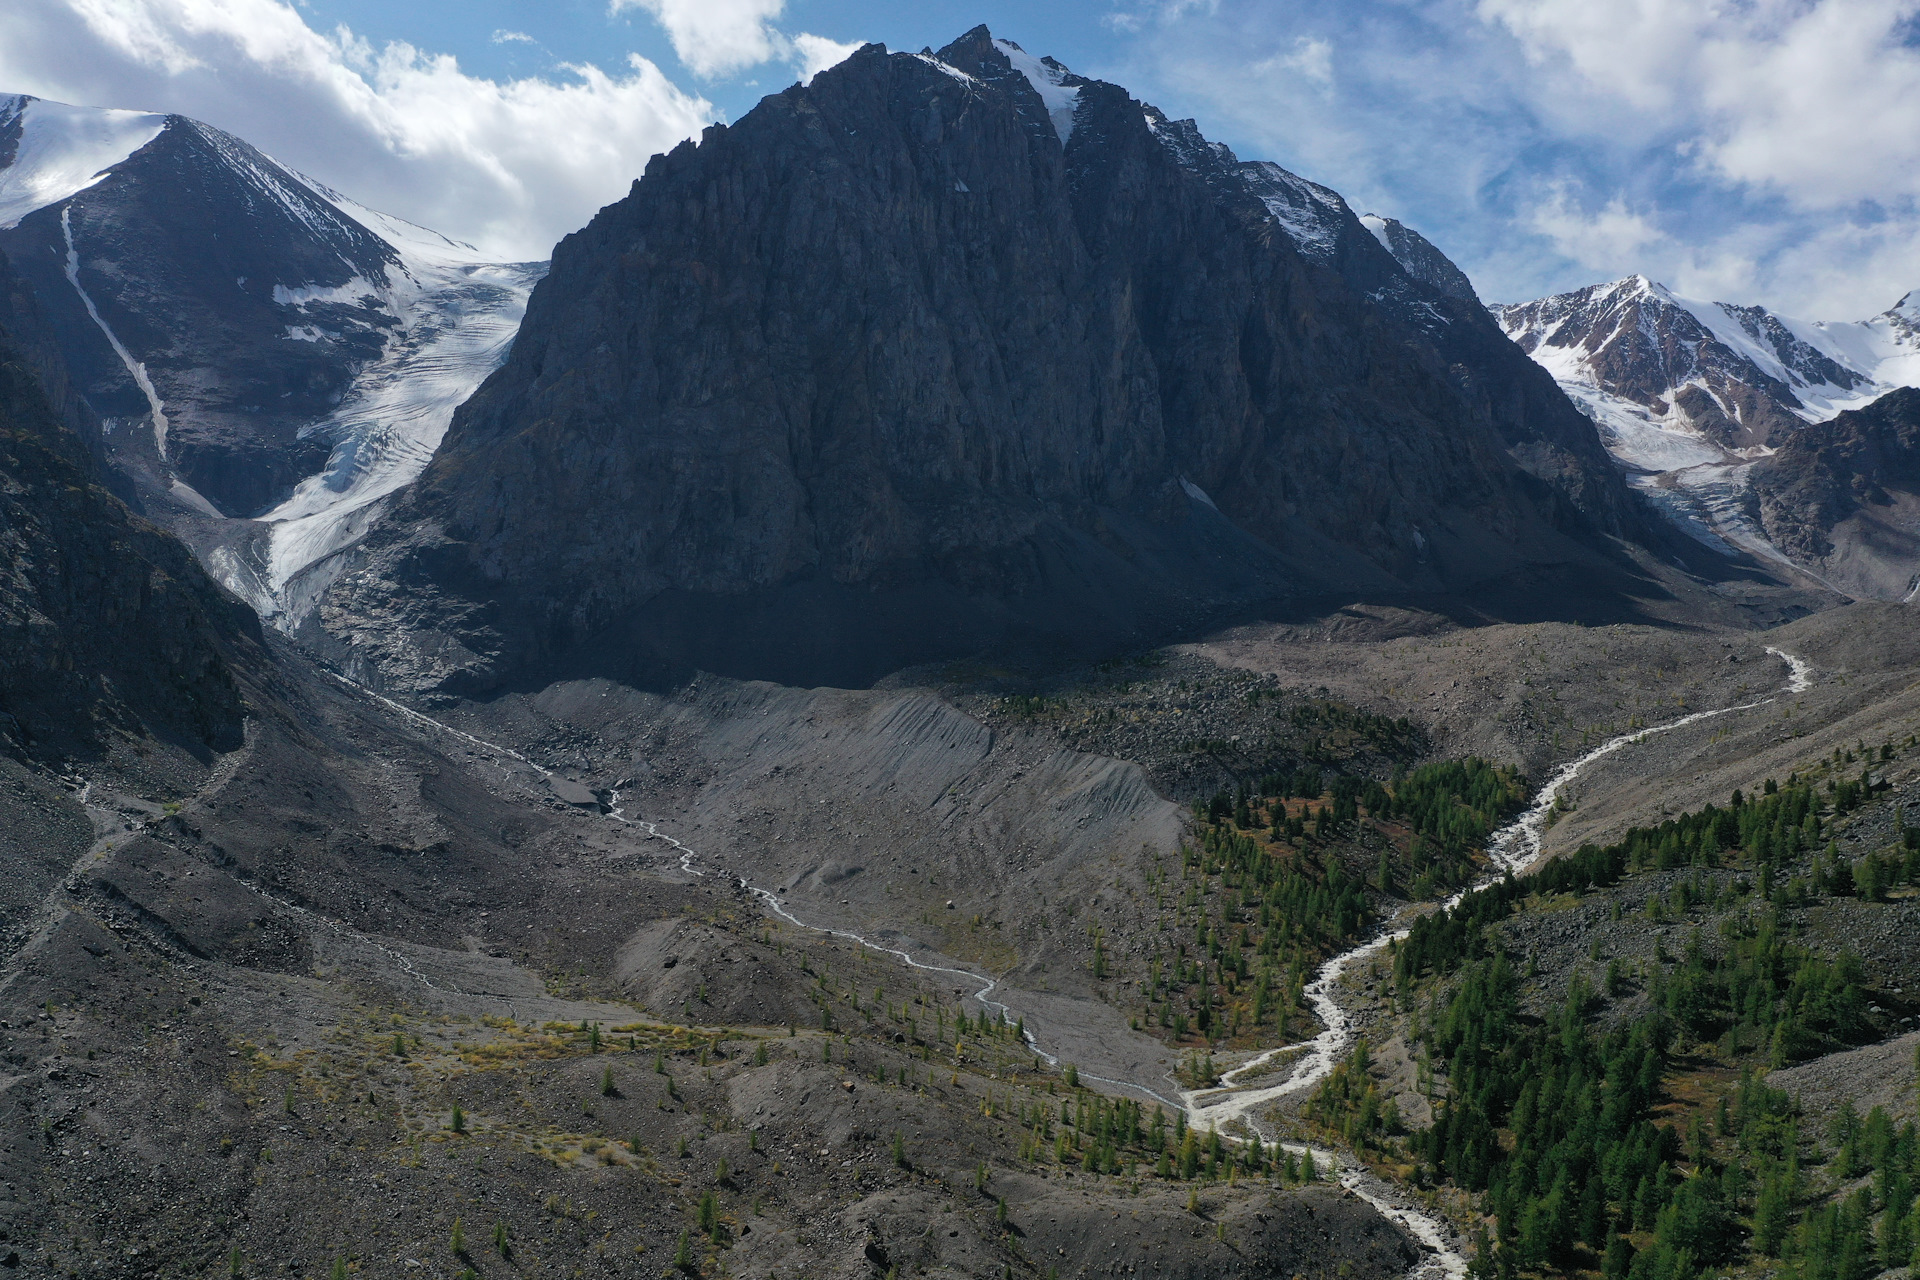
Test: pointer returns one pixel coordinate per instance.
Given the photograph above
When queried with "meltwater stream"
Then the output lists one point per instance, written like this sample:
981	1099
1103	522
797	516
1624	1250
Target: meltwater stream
1511	849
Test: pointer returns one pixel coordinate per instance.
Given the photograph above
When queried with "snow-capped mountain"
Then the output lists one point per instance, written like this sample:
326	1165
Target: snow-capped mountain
1676	378
269	359
1690	396
954	351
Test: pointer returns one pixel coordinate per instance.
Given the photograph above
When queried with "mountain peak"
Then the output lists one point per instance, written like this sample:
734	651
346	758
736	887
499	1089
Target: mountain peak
1420	257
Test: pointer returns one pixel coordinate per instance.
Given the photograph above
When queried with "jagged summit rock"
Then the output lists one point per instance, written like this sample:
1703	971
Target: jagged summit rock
1421	258
949	351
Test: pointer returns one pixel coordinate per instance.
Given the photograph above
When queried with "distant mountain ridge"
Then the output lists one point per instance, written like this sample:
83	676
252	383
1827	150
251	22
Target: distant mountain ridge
1694	397
954	350
1645	360
255	345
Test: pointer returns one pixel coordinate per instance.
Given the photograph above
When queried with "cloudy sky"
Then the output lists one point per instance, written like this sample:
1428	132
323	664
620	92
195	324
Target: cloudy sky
1746	150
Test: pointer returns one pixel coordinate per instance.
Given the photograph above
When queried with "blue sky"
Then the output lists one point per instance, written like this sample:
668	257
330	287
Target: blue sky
1765	151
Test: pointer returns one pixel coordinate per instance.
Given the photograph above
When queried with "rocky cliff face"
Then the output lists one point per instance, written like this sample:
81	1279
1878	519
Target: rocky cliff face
1401	274
1420	256
107	625
950	351
1843	496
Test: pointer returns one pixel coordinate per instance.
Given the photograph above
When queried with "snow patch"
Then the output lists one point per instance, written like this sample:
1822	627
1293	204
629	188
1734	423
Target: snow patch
1311	214
947	67
1378	225
355	290
1046	78
64	150
1195	492
188	496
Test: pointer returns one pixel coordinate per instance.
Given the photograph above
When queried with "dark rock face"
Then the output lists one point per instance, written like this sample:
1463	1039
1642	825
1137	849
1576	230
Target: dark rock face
885	373
106	623
1401	273
204	258
1421	257
1845	481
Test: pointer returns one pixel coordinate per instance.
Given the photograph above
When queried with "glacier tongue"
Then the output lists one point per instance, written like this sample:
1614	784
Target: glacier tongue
459	316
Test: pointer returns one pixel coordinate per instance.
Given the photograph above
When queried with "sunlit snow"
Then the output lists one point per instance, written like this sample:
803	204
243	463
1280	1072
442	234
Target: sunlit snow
64	150
1311	214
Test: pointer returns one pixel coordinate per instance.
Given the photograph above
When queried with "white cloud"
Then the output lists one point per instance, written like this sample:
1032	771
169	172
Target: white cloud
1157	12
1817	101
814	54
504	36
510	165
1753	150
1613	239
714	37
1310	57
718	37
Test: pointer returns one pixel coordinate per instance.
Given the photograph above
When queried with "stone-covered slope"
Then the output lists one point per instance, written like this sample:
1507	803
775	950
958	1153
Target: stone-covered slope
107	624
887	372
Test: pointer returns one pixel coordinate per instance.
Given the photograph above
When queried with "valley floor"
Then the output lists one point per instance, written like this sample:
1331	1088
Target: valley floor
949	976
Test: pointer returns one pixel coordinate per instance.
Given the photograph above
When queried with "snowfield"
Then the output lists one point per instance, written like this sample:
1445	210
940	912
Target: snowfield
63	150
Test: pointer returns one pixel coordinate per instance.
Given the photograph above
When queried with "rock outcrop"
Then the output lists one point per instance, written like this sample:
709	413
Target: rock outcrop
107	624
1843	496
949	352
